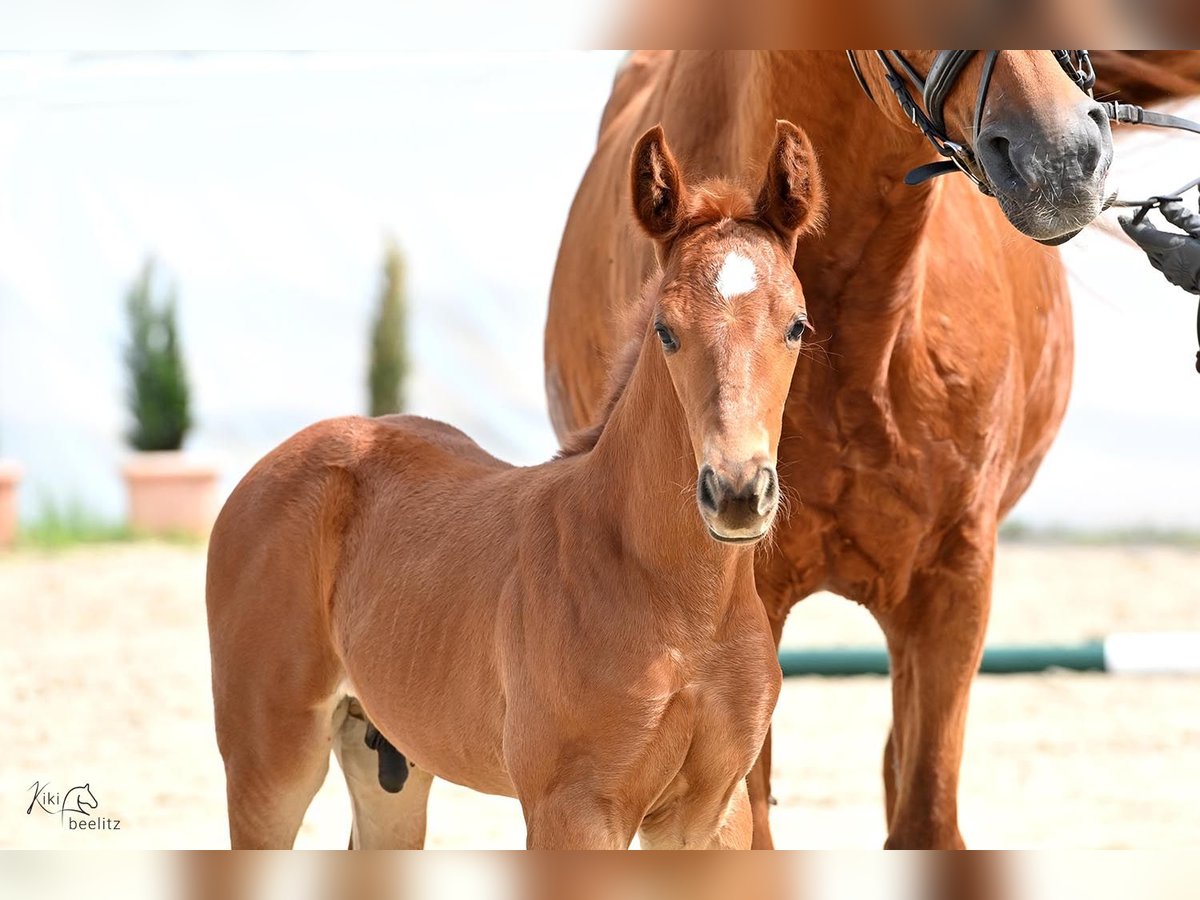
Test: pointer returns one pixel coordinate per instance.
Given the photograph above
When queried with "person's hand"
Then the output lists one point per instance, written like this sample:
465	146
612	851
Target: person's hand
1176	255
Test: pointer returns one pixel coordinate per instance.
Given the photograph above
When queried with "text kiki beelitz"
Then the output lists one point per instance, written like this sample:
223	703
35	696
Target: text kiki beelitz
74	807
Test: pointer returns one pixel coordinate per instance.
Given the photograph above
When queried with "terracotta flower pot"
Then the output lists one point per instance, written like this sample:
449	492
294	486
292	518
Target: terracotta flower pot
10	479
170	495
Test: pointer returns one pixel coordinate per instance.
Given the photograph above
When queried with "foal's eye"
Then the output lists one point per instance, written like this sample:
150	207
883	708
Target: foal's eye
796	332
668	340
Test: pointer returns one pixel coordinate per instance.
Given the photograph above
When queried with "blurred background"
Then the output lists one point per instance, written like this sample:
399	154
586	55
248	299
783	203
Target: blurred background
267	188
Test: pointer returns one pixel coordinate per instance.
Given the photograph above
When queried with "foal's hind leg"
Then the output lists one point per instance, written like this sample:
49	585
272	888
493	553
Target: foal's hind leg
382	820
272	773
274	695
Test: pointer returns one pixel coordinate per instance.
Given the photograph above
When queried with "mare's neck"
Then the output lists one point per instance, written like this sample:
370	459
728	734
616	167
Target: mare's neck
642	473
867	259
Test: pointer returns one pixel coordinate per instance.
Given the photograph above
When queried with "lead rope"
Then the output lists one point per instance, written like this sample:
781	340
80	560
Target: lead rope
1161	120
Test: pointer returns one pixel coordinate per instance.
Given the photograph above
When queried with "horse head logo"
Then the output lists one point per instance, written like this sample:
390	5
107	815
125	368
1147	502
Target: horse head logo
78	800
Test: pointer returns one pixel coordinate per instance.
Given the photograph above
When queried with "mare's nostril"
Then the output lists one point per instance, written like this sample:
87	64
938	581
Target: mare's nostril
1023	162
706	489
995	154
1096	144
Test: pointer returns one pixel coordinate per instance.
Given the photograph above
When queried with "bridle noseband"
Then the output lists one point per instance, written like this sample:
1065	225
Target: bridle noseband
935	88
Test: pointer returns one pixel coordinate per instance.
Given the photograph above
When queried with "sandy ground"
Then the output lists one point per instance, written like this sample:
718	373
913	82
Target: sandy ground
104	656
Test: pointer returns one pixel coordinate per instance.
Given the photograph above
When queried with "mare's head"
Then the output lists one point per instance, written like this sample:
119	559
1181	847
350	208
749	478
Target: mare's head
1044	146
730	316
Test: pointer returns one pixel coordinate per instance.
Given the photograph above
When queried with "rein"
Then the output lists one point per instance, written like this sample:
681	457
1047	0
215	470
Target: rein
935	87
947	66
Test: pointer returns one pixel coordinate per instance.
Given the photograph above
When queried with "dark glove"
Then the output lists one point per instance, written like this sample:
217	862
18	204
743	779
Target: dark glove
1177	256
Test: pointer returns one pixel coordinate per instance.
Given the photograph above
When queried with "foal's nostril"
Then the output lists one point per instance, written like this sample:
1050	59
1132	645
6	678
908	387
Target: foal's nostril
707	488
767	485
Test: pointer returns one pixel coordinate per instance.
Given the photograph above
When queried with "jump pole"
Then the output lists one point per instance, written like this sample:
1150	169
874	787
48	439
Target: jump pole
1162	653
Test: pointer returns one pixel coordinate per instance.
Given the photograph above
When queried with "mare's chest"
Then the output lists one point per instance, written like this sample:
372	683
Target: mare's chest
878	469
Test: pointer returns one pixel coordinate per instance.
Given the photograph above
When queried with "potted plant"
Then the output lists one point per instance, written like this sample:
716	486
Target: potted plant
168	493
10	480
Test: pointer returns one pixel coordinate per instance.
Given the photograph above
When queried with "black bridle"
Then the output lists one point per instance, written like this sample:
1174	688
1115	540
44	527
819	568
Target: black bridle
945	71
936	86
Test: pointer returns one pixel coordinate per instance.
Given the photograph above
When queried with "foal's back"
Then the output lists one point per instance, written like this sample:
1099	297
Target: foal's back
335	478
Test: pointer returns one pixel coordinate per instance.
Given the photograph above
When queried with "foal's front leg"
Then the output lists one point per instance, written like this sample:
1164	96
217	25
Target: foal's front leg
575	817
935	638
696	824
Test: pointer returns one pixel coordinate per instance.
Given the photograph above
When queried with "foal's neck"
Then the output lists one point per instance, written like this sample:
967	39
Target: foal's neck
643	473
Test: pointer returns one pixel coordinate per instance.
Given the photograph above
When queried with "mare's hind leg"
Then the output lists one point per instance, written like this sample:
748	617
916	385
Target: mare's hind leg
382	820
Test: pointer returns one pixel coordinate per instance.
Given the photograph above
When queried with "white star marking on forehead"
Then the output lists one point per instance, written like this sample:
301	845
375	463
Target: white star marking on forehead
737	276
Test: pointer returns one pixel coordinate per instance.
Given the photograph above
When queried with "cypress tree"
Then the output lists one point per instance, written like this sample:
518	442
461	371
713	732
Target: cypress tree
389	340
158	393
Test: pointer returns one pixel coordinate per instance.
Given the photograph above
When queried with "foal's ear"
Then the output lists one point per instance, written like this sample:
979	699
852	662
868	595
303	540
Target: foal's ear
657	185
792	199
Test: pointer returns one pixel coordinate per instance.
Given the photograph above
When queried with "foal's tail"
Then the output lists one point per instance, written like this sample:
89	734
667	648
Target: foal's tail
1146	76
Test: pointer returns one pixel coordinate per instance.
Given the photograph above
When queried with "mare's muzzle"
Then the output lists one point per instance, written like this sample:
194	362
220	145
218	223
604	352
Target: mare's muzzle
1048	176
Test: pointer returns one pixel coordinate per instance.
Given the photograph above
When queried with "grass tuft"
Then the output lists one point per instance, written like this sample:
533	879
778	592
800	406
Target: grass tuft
66	524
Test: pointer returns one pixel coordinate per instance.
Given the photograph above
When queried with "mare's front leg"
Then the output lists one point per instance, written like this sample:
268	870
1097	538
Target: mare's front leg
935	637
777	600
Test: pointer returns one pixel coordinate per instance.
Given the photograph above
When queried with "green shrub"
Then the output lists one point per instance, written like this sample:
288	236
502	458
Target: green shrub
389	345
158	393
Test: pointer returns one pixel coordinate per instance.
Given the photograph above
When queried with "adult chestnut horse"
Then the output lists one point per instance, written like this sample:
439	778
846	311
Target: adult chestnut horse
945	344
574	634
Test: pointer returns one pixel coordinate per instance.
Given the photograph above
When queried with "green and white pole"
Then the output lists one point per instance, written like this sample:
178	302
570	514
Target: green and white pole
1149	653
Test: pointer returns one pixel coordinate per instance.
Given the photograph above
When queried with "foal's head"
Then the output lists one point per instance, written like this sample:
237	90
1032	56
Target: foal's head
730	316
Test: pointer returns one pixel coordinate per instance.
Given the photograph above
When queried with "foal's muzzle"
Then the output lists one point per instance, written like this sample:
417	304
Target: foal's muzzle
738	507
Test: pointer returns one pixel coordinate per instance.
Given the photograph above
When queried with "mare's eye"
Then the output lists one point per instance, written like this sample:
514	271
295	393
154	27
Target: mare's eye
668	340
796	332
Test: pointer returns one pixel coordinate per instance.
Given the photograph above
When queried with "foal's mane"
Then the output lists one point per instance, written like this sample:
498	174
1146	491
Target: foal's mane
713	202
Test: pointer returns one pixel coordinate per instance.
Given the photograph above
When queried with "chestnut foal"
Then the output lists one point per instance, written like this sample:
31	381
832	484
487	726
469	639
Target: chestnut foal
573	634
